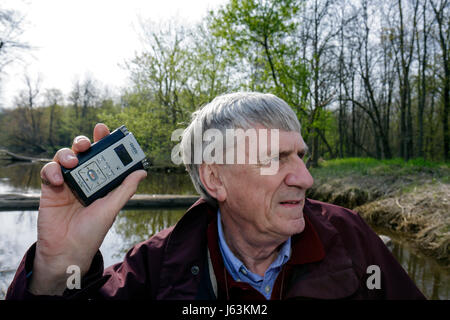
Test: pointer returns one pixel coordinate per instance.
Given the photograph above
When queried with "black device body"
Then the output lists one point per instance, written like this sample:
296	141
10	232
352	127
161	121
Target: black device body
93	151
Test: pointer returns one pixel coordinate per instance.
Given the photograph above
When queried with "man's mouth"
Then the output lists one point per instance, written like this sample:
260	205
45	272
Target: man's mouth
291	203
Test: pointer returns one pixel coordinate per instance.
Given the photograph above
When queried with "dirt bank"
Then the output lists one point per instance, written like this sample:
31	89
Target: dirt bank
422	214
417	206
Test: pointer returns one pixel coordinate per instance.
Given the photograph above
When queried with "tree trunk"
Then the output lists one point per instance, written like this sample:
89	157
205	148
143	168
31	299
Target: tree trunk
50	129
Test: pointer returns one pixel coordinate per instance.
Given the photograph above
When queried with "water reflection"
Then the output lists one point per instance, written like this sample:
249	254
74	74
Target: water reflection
134	226
163	183
18	177
17	233
431	278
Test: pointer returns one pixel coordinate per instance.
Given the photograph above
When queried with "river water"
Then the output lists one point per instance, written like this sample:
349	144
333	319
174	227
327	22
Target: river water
18	229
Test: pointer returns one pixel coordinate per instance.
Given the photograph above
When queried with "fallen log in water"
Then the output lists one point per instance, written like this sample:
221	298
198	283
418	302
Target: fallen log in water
19	202
8	155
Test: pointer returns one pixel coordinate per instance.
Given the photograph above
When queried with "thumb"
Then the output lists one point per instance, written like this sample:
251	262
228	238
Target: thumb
114	201
123	193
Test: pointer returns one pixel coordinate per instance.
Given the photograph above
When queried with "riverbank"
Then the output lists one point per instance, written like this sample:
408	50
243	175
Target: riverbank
411	198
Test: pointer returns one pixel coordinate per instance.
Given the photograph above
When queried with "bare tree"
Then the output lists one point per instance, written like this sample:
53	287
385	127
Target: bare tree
162	70
320	28
209	70
84	96
30	133
403	41
30	96
344	55
373	69
422	36
75	97
54	97
442	16
11	29
89	92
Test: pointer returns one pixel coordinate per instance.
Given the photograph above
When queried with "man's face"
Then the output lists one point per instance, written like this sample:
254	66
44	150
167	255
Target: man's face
269	206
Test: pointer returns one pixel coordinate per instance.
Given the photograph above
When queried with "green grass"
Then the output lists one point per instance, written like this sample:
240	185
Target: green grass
373	167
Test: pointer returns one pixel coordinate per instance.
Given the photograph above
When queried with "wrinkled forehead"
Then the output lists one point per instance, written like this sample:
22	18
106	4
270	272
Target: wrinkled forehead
280	141
264	141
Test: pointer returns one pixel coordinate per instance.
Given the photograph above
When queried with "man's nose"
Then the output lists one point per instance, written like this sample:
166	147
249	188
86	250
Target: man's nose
299	176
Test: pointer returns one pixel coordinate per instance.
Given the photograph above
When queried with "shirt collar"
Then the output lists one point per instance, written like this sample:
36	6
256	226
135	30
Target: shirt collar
234	265
306	248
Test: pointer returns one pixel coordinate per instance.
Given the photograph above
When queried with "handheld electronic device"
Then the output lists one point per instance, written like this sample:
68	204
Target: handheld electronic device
105	165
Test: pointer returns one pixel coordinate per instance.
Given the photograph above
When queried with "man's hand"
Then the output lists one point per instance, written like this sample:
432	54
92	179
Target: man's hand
68	232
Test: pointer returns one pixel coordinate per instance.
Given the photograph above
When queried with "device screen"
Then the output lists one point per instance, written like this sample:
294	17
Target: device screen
123	154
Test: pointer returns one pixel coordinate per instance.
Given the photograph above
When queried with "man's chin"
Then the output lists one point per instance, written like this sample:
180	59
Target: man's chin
296	226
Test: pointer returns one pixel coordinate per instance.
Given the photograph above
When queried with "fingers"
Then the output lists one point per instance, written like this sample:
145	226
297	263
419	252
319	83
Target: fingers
51	174
100	131
66	158
80	144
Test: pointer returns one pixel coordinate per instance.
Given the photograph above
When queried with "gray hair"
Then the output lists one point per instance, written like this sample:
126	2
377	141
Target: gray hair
242	110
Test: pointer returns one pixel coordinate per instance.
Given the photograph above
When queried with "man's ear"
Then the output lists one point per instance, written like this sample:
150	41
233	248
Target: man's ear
212	181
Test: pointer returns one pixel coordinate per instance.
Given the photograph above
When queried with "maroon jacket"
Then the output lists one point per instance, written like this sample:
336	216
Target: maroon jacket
174	263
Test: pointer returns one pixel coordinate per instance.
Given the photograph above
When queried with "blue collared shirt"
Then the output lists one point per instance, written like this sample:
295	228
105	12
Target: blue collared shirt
239	271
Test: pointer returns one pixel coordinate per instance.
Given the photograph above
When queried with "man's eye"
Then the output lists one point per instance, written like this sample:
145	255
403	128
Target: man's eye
305	157
268	161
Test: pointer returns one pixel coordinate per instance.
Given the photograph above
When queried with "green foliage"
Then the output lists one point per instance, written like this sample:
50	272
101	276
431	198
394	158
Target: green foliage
180	72
261	35
375	167
149	123
54	127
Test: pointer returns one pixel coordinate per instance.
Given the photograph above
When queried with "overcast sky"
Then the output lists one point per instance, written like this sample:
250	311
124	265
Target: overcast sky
72	38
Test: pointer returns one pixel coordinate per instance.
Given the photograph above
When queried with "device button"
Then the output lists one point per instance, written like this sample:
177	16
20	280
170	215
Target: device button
92	175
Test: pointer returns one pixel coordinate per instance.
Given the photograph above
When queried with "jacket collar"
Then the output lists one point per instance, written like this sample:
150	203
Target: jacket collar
323	270
184	255
334	277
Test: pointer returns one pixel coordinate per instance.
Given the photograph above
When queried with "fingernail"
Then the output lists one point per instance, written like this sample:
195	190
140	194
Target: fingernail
57	178
81	139
69	157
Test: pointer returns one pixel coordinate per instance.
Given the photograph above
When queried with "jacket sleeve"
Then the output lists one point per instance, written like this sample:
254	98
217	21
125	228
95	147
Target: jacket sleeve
18	289
90	283
130	279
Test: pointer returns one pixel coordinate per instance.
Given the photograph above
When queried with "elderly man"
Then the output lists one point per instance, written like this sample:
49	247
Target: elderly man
252	235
